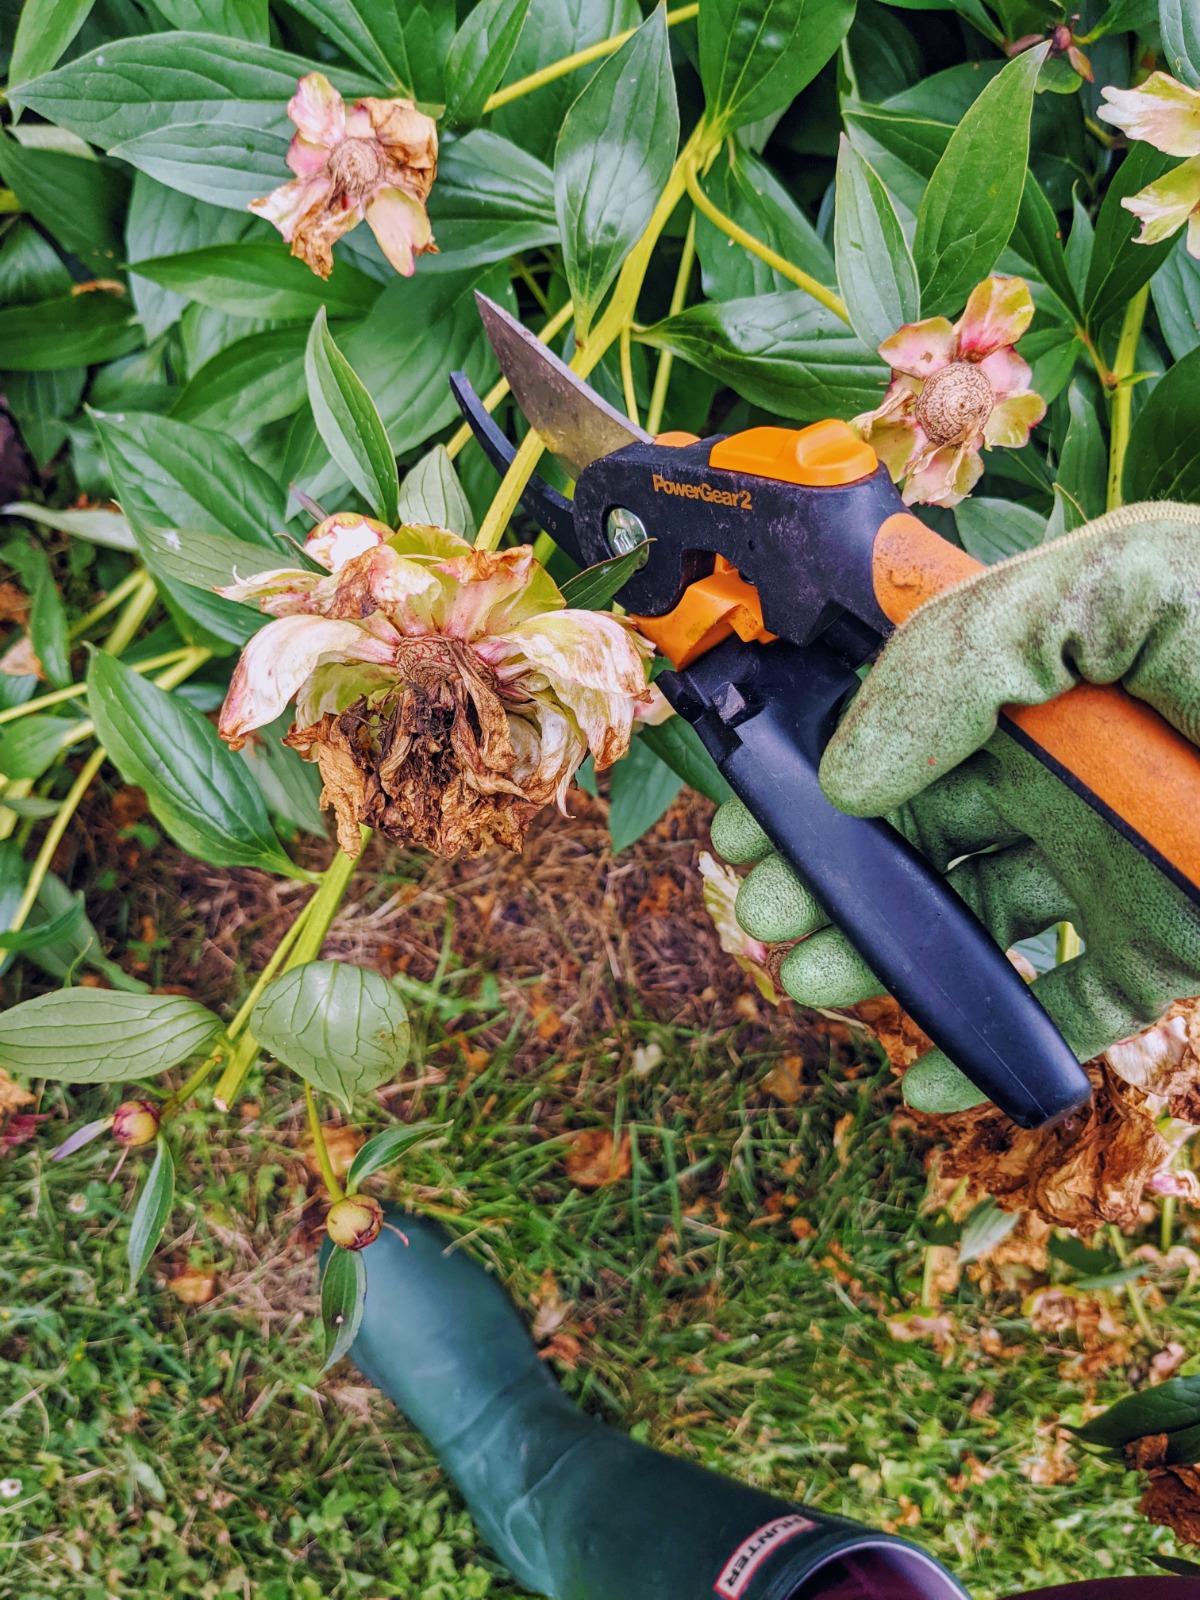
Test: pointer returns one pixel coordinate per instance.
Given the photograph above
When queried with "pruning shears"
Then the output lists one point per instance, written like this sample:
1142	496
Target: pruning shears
779	561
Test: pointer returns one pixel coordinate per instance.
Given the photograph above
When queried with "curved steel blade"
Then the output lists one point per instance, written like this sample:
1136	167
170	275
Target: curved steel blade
574	423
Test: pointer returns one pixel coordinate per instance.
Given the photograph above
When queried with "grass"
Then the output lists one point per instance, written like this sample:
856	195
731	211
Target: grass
729	1298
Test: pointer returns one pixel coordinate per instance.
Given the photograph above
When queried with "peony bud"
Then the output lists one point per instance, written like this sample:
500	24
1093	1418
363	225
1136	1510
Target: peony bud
135	1122
354	1223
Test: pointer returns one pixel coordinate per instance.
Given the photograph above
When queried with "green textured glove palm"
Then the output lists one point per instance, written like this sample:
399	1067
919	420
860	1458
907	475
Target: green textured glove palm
1117	600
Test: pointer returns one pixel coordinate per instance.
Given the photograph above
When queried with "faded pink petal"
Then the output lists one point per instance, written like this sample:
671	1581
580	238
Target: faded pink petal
492	591
401	225
919	348
997	313
1164	206
1006	372
288	206
277	592
1011	421
305	159
721	885
946	477
1146	1057
278	659
653	712
342	536
1161	111
318	111
358	122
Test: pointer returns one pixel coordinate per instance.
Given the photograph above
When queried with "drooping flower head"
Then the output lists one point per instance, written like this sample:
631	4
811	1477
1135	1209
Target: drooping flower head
955	388
1165	114
446	693
376	161
720	901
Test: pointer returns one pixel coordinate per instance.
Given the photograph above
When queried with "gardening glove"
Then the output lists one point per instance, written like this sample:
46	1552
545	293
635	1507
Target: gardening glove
1117	600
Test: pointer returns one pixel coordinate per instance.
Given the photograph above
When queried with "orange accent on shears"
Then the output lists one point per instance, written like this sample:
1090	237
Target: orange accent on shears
711	609
821	456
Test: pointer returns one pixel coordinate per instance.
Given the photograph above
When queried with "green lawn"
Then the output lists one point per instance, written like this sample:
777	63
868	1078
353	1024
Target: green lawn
729	1297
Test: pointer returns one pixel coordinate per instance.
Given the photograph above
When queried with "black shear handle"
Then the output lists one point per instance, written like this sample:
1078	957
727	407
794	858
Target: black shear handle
765	716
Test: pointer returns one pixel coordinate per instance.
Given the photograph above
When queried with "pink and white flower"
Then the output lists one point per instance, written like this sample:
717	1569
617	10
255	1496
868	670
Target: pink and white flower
721	885
375	162
1166	114
446	693
955	388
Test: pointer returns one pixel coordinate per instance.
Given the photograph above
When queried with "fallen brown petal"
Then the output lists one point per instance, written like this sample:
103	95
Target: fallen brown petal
193	1286
591	1160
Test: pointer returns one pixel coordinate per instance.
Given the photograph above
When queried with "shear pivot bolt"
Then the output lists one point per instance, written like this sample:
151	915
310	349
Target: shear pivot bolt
625	530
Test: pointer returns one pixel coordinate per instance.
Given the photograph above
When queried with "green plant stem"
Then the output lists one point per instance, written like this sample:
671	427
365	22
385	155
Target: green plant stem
627	384
75	691
666	360
137	609
572	63
1131	1289
773	259
1167	1226
110	602
496	393
302	942
1122	401
620	310
328	1176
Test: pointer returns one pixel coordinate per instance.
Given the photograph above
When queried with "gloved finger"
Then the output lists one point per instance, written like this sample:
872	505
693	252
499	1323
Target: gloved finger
1013	892
774	905
934	1083
826	970
735	834
958	814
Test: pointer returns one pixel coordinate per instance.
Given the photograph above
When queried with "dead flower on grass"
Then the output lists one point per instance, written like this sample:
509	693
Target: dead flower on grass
593	1159
1172	1494
446	693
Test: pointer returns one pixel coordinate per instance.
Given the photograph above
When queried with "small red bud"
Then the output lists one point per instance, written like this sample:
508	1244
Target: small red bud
135	1122
355	1222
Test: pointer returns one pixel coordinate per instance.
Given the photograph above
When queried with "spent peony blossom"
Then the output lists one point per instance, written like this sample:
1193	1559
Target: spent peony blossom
1166	114
720	896
446	693
955	388
376	162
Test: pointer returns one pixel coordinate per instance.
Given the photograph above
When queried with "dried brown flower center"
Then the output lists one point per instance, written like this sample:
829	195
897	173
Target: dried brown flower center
955	403
355	165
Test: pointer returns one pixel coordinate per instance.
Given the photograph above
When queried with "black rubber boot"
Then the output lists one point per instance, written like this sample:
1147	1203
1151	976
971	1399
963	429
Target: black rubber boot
574	1509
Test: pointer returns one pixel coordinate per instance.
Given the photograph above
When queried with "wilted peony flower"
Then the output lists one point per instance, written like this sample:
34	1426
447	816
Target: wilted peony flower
1165	114
355	1221
445	692
376	161
955	388
721	885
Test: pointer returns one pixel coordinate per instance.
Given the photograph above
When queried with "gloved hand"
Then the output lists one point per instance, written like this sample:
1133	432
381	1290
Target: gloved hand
1118	599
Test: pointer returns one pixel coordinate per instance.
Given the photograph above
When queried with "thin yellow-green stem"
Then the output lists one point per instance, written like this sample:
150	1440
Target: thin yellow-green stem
498	390
1122	401
317	1133
572	63
1067	943
666	360
137	609
1133	1293
111	601
75	691
627	384
1167	1225
773	259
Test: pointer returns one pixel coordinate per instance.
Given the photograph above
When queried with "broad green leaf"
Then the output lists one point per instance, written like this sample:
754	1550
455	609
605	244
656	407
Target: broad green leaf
431	494
234	19
349	424
970	207
757	55
491	200
108	528
82	202
369	31
1175	290
44	30
48	624
482	48
985	1228
227	163
746	189
257	380
594	587
1077	252
42	403
131	86
876	275
1179	23
1052	353
560	28
612	161
678	744
1119	265
153	1210
641	787
290	787
208	560
1080	479
1163	459
1132	16
387	1147
162	220
780	351
1169	1407
103	1035
344	1029
79	947
197	788
343	1296
258	278
29	747
1037	239
993	530
34	935
77	329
